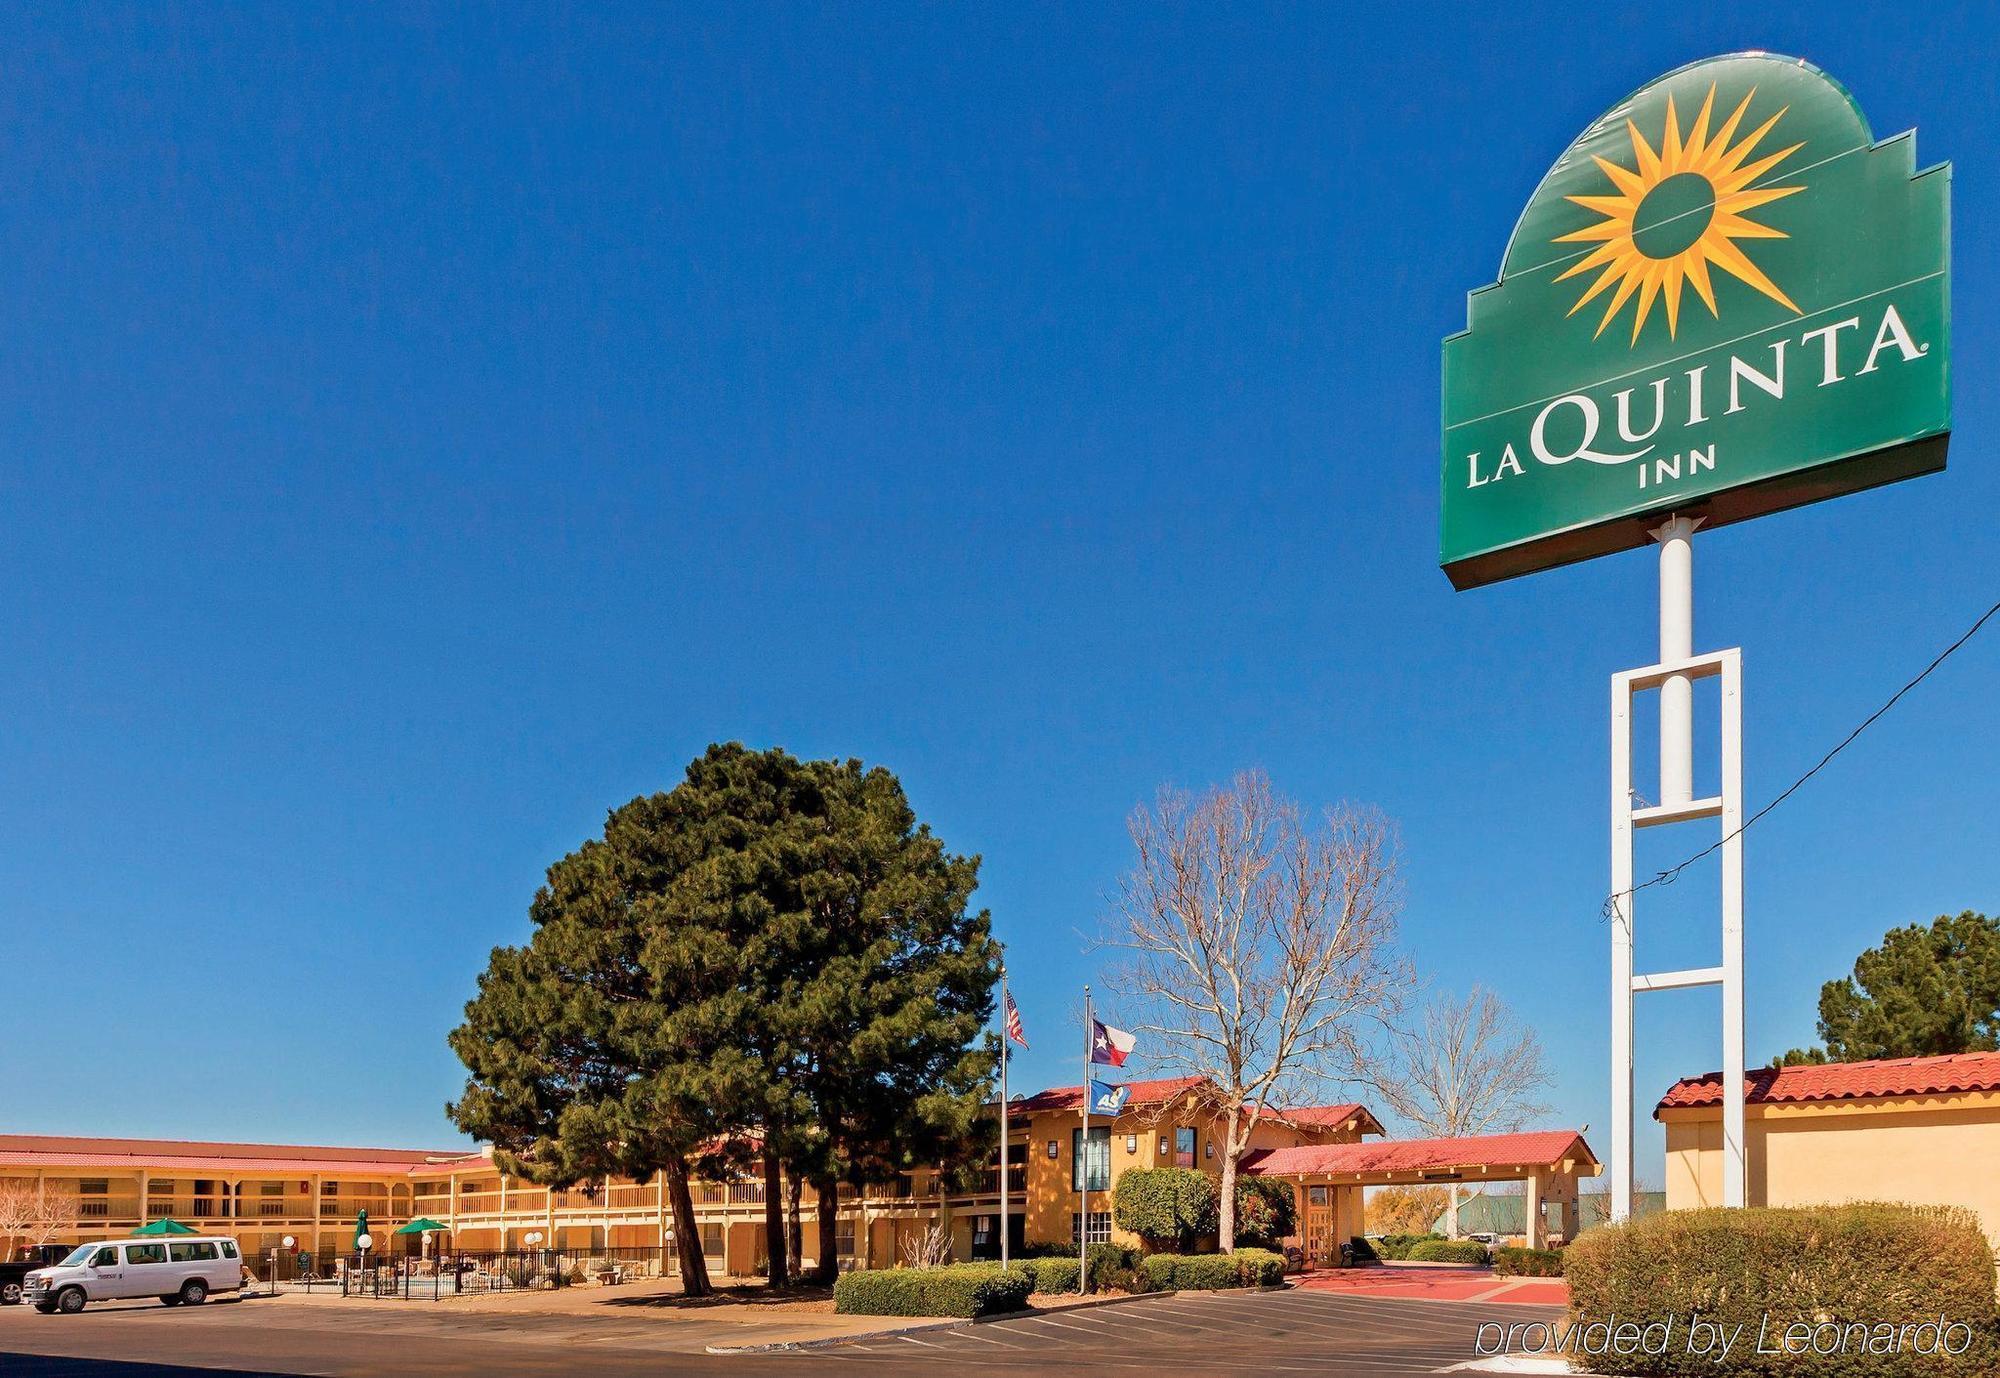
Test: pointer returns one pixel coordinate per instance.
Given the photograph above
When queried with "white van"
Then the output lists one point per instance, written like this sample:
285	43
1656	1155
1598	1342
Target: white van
176	1269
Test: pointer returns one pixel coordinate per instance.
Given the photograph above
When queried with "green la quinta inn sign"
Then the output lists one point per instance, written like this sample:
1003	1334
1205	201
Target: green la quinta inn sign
1725	299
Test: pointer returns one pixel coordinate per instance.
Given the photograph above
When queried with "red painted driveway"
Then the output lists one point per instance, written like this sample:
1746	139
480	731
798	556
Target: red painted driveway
1437	1284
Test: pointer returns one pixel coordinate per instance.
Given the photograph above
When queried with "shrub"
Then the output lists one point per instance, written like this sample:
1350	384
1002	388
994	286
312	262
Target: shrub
1259	1267
1025	1267
1397	1246
1446	1251
1111	1267
1265	1212
1528	1263
1055	1274
1046	1248
1211	1272
1165	1206
1850	1276
961	1289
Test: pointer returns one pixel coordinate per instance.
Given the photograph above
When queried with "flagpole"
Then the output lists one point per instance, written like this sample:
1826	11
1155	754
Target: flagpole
1005	1053
1083	1165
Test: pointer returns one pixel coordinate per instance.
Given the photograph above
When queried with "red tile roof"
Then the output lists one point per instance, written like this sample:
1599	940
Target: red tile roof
1071	1097
1541	1148
1329	1117
1832	1081
52	1150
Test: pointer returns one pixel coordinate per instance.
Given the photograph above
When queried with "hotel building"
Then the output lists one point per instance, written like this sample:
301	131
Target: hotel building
262	1193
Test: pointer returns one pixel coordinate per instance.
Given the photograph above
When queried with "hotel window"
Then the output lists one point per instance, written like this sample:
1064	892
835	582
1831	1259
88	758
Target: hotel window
93	1193
843	1236
1184	1147
711	1242
1097	1161
1100	1227
1315	1196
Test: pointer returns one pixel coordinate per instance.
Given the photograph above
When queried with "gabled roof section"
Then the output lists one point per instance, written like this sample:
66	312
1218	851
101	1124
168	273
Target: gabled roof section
1330	1117
1143	1094
1845	1081
1539	1148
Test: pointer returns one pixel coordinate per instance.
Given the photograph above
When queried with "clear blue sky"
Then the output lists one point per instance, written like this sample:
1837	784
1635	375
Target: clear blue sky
421	431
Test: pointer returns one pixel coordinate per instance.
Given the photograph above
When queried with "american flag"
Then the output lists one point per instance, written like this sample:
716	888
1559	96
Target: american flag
1014	1029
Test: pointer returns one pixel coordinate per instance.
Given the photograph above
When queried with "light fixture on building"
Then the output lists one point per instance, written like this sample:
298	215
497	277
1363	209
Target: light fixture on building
1131	1143
1052	1148
1163	1145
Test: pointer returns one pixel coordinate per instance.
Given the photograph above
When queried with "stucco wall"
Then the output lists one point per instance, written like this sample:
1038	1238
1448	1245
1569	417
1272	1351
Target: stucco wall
1939	1151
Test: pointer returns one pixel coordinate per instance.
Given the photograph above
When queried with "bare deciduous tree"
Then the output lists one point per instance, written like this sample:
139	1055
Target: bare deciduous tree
1405	1210
1261	948
33	1213
1466	1067
930	1249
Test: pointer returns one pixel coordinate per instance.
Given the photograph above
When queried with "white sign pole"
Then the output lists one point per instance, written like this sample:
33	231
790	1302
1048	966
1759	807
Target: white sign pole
1674	677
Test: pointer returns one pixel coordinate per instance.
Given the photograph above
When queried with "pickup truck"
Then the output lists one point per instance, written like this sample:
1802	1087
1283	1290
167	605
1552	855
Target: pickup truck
13	1270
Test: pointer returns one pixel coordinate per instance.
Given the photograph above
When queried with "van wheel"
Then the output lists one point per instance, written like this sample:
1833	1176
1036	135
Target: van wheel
194	1292
70	1300
10	1294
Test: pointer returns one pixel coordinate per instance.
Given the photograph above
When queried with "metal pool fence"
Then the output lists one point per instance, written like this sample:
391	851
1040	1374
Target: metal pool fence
474	1272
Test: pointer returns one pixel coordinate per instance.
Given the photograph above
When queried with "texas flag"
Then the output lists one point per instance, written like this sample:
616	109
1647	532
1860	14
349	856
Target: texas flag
1106	1099
1108	1045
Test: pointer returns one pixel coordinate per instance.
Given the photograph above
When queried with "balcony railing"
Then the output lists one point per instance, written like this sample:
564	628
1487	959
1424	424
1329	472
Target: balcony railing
986	1181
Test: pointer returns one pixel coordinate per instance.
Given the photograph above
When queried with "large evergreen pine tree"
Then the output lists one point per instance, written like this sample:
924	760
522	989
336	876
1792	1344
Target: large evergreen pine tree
774	962
1924	991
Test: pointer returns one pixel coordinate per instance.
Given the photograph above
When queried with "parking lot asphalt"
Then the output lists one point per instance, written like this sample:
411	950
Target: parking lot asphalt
1210	1333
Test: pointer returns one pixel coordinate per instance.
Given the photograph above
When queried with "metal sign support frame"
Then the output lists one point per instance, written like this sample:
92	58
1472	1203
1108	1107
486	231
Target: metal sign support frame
1673	676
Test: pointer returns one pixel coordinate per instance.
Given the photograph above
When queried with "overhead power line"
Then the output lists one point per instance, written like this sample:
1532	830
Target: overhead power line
1673	873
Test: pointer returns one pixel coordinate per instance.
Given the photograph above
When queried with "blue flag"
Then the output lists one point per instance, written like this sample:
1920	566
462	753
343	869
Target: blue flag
1106	1099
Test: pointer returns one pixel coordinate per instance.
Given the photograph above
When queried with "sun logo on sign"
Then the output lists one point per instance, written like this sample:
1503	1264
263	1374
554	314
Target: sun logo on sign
1678	214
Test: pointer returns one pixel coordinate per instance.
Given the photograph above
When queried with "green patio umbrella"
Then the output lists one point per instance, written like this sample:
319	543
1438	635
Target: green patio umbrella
163	1227
423	1225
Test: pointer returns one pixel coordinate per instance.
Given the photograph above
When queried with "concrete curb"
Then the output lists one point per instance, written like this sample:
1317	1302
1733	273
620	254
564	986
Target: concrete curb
948	1323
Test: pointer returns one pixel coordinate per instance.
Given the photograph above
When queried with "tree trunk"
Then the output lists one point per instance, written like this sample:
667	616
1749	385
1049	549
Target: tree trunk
687	1233
1225	1234
829	1231
795	1236
774	1217
1451	1215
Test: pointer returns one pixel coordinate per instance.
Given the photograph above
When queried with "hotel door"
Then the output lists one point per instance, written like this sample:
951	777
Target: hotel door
1322	1249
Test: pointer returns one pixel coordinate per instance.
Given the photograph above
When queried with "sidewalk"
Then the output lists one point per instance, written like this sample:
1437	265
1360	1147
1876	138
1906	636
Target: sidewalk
1461	1283
742	1318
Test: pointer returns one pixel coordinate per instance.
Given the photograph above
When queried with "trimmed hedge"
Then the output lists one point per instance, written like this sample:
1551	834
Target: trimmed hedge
1447	1251
1053	1267
1211	1272
1052	1274
1391	1246
1528	1263
1853	1279
960	1289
